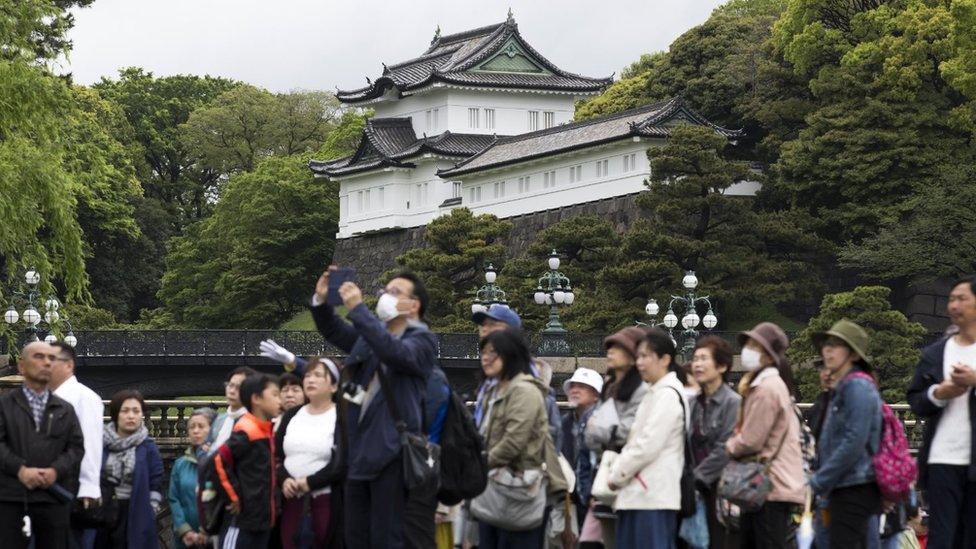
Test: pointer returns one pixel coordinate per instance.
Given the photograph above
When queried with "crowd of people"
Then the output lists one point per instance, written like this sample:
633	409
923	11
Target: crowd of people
655	453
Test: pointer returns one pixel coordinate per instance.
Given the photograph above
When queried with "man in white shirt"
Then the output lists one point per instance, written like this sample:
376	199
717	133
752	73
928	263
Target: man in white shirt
942	393
90	410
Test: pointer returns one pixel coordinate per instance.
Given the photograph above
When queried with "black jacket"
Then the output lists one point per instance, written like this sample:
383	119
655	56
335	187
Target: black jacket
931	371
58	444
247	469
332	475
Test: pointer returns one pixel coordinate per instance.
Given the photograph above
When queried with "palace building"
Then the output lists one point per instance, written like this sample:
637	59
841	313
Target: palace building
482	120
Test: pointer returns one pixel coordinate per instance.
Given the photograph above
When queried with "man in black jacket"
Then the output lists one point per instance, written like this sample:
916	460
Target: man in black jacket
942	393
41	446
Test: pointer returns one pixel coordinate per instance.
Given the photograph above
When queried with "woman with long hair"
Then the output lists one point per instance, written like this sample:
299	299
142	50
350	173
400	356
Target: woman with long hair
768	430
648	470
132	464
311	460
183	482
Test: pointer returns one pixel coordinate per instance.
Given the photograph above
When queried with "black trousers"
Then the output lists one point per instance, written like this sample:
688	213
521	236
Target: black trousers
418	517
952	507
374	510
718	536
849	510
50	523
767	528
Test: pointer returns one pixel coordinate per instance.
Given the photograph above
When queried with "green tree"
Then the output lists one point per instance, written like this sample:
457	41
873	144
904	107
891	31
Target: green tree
894	340
37	28
458	246
155	108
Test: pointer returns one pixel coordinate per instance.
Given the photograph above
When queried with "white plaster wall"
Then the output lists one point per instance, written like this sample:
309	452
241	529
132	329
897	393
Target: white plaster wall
511	110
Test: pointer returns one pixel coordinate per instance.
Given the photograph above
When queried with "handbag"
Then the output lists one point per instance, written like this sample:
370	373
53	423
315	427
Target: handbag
689	506
512	500
421	458
747	483
601	482
103	514
694	529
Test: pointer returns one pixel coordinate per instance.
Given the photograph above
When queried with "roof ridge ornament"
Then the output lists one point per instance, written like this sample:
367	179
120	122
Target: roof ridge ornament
511	18
437	34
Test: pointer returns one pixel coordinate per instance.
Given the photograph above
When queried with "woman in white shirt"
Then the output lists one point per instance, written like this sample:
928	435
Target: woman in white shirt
311	463
648	470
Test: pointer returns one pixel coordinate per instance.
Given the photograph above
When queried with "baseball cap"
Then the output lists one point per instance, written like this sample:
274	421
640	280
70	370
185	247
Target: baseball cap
499	312
585	376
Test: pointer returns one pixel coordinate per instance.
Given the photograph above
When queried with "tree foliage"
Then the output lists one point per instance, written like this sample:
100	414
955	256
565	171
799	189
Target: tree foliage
459	245
893	345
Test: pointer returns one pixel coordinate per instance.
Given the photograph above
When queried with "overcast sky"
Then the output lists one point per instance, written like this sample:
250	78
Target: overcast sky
320	44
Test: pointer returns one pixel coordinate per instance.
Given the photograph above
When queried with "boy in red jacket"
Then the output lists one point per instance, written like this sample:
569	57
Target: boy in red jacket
245	465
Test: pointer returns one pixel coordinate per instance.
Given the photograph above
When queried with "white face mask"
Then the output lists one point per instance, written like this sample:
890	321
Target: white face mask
750	359
386	307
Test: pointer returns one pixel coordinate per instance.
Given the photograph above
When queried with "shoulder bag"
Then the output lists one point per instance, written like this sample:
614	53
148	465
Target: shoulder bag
746	483
420	456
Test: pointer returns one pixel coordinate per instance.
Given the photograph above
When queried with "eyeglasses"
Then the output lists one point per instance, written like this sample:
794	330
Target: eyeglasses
395	292
229	385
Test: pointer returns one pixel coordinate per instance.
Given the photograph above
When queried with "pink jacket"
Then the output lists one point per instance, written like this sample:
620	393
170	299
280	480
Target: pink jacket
767	414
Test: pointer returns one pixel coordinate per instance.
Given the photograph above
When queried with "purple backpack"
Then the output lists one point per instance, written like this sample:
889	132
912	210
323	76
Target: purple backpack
895	469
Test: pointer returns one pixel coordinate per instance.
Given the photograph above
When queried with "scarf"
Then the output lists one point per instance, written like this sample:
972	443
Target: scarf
121	459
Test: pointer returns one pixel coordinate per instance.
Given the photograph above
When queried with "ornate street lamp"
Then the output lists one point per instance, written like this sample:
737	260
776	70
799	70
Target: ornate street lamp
554	291
34	321
690	321
489	293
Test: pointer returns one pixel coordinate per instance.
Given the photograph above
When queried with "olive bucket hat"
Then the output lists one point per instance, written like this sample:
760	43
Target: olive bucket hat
850	333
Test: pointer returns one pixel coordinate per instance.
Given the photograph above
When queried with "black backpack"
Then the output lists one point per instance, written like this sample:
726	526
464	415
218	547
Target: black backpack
464	467
211	501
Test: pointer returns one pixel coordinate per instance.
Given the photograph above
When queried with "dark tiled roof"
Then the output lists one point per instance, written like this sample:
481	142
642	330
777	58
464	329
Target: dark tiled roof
450	57
392	142
654	120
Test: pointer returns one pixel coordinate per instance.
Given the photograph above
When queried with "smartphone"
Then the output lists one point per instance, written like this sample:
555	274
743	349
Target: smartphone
337	278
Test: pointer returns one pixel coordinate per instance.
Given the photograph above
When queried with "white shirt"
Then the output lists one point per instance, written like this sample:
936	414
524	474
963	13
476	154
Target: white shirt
953	436
90	411
308	444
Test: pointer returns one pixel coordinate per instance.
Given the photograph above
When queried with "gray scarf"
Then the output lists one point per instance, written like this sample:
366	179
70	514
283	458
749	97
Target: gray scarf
121	459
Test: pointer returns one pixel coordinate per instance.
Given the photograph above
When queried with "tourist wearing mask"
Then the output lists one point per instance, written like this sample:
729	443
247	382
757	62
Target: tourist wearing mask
133	465
516	428
311	463
850	436
183	482
713	413
610	424
648	470
769	430
583	392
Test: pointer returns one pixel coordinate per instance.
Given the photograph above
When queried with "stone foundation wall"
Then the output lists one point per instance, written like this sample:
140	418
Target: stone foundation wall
373	254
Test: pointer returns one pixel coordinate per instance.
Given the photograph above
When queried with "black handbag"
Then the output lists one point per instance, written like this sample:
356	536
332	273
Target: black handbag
688	503
421	458
103	514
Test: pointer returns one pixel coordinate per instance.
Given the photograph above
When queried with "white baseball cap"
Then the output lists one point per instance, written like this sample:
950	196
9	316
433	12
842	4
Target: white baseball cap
585	376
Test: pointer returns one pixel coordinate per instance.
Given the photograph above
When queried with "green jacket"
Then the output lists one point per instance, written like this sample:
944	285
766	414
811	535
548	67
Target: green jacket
518	431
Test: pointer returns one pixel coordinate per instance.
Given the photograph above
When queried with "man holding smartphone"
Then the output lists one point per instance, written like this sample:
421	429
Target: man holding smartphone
395	340
942	393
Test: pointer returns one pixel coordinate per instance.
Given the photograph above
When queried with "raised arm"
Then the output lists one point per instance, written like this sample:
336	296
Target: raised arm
412	355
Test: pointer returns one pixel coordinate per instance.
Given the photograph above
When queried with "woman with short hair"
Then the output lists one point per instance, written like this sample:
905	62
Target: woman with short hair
132	464
183	482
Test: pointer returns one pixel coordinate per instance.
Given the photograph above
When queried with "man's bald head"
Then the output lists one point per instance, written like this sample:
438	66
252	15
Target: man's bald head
36	360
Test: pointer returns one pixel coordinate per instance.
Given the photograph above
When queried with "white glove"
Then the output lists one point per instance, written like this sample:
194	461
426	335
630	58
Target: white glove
277	353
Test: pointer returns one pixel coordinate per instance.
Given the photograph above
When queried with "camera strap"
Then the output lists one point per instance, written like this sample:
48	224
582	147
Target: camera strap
401	426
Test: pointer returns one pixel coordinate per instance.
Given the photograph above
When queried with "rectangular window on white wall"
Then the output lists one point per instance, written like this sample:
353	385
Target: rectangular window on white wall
489	119
473	118
430	119
575	174
418	198
602	168
548	179
477	194
456	189
424	199
366	199
500	189
437	119
630	162
523	183
360	205
548	119
381	198
533	120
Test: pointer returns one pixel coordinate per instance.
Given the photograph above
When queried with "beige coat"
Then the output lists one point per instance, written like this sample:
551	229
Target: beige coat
767	415
649	467
518	430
